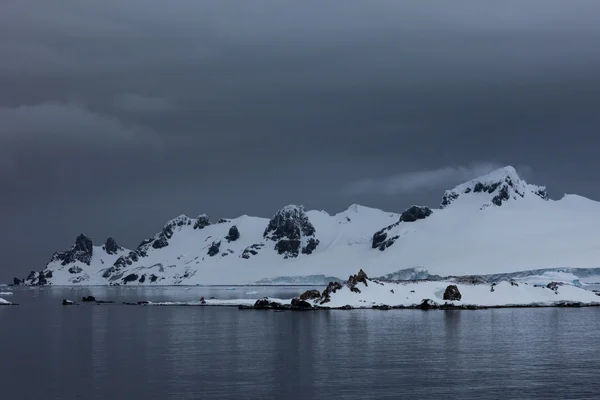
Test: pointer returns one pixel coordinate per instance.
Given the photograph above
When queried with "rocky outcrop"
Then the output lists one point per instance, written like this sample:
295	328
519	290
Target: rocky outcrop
331	288
75	270
111	247
17	282
213	250
233	235
130	278
82	251
504	184
554	285
161	241
415	213
252	250
299	304
202	221
289	228
452	293
353	280
428	304
310	295
88	299
381	239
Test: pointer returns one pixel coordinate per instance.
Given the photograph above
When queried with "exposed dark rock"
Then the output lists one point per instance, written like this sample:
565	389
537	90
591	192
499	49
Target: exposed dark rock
66	302
88	299
448	198
310	295
17	282
222	221
287	228
554	285
311	246
201	222
265	303
331	288
81	251
130	278
32	276
513	283
162	240
213	250
501	197
452	293
297	304
382	307
353	280
142	279
415	213
111	247
252	250
153	278
233	235
75	270
42	278
288	247
428	304
378	238
110	270
541	192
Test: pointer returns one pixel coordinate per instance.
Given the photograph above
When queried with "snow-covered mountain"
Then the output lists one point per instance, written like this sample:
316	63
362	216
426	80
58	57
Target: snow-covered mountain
497	223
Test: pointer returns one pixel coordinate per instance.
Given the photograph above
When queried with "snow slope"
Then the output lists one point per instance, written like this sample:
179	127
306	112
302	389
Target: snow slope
494	224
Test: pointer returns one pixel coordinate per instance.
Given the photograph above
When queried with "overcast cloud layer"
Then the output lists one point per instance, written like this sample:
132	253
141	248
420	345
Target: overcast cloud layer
116	116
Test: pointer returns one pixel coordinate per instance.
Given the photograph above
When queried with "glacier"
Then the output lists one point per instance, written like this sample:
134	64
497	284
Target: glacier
492	226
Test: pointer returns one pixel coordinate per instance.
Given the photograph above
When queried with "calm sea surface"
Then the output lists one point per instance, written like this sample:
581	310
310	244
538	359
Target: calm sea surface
49	351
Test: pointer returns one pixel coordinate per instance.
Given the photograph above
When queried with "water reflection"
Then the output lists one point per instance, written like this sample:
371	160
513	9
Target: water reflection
125	352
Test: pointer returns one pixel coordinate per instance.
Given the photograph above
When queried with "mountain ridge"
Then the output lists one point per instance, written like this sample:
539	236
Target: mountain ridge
497	210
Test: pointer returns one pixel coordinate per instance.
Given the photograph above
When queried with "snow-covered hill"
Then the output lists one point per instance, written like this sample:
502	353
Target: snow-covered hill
494	224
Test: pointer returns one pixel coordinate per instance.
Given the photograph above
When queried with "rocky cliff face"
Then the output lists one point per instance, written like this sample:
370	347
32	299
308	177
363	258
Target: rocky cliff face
81	251
292	232
493	189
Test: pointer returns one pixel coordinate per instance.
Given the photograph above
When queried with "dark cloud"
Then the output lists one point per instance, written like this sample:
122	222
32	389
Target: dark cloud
118	115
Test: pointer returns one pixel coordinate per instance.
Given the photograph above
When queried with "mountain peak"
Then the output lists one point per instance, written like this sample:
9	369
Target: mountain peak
493	189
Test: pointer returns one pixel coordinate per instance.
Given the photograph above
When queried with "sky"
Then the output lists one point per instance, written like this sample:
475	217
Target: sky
116	116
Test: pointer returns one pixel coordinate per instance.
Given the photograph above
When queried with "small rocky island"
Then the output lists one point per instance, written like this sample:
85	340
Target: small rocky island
459	293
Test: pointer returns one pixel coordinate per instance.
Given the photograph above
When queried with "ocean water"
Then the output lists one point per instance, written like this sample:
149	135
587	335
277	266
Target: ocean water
114	351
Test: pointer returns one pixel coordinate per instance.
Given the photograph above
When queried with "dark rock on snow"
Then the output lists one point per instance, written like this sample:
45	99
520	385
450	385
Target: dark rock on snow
353	280
233	235
130	278
331	288
310	295
202	222
213	250
554	285
452	293
298	304
81	251
252	250
415	213
111	247
88	299
287	228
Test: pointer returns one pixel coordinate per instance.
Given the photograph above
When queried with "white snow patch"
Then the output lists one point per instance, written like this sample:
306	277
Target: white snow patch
413	293
4	301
